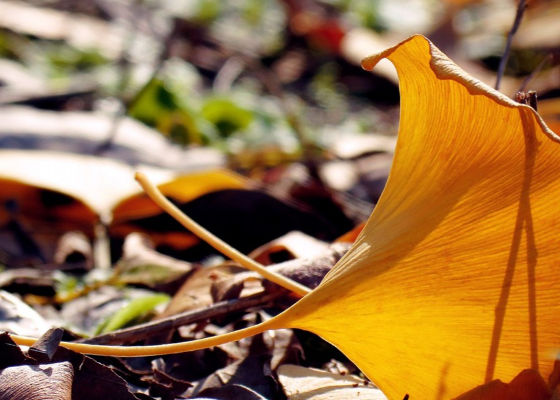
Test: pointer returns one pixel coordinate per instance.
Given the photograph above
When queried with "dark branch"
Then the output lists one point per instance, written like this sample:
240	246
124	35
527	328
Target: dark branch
503	62
144	331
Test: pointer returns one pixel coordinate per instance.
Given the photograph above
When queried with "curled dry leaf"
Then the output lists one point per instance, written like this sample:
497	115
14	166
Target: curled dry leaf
230	392
250	372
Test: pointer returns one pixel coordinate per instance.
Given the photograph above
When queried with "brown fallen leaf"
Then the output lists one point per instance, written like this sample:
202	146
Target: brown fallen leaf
31	382
249	372
55	192
211	284
165	386
195	292
308	271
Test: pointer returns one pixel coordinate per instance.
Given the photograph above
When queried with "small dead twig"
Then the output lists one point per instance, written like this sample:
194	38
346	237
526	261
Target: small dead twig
503	62
535	72
149	329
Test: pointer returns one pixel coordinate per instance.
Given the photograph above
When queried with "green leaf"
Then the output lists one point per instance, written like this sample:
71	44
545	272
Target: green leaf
136	310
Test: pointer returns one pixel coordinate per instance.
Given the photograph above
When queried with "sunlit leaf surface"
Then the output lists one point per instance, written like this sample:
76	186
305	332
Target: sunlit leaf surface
454	280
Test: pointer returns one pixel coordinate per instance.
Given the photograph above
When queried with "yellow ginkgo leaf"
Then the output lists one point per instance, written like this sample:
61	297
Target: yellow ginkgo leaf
93	187
455	279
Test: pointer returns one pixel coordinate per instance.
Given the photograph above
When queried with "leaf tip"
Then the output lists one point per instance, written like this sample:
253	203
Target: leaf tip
369	62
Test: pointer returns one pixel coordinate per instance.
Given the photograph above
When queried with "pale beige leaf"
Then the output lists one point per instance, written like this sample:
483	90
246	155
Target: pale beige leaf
302	383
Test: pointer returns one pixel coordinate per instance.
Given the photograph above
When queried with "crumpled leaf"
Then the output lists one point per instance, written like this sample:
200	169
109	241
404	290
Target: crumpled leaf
164	385
90	381
195	292
74	247
230	392
47	381
250	372
45	348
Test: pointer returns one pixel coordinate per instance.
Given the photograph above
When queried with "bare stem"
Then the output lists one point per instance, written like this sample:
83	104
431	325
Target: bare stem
154	193
535	72
157	350
503	62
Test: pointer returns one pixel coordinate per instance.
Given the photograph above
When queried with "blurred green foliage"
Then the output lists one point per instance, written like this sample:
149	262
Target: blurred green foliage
66	59
161	108
135	312
226	115
187	90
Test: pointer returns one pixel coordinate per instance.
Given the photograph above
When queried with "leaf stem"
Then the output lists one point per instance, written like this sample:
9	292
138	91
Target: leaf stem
157	350
154	193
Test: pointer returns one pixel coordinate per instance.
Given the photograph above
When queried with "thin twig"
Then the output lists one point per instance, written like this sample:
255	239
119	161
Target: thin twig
144	331
125	72
503	62
154	193
537	70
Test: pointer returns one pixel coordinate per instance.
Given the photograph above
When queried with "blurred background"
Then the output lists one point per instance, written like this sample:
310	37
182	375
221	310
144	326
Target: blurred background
253	115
